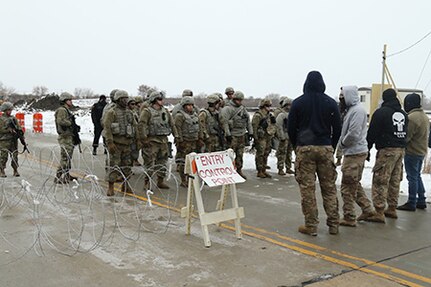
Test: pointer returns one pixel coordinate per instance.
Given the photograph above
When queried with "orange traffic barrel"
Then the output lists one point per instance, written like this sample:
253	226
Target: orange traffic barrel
20	118
37	123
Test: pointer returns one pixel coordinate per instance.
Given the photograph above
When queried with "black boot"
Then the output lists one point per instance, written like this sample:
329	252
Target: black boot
95	150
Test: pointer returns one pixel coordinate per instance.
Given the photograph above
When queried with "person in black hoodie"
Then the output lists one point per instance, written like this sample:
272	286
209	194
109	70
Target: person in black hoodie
314	129
388	131
96	115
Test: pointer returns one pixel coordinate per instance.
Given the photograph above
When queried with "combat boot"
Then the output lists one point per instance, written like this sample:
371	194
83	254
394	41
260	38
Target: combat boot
281	172
161	184
15	172
267	167
125	187
349	223
267	175
2	174
241	174
289	171
110	191
391	212
378	217
308	230
260	174
333	230
94	150
365	215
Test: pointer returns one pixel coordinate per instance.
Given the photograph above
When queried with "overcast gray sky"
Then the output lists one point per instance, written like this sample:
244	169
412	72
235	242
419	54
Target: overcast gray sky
258	47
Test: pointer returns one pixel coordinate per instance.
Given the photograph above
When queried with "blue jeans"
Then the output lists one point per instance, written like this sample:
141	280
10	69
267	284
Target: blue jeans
413	166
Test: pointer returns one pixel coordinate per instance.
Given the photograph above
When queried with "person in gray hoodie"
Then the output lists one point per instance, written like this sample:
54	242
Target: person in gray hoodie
354	146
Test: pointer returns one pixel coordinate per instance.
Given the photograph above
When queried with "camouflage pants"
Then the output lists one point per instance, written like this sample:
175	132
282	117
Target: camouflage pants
263	148
156	158
185	147
351	188
6	148
134	151
212	144
284	154
238	145
387	175
66	146
120	163
312	160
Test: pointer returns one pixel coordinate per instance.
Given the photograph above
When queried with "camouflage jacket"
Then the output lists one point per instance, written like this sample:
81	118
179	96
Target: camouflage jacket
146	121
6	132
120	126
63	121
235	120
262	125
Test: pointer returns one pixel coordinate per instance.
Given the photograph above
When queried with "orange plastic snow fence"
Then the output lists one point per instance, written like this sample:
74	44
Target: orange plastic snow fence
37	123
20	118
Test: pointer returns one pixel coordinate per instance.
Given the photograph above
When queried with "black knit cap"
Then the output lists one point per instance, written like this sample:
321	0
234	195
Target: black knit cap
389	95
412	101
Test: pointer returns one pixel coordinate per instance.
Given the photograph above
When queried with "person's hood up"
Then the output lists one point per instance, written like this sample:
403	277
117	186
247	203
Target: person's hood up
412	101
351	96
390	99
314	83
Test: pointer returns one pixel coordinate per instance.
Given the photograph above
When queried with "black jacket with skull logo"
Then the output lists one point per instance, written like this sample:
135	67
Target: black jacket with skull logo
388	126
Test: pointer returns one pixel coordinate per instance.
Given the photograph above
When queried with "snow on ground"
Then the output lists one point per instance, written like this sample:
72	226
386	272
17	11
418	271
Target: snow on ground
83	119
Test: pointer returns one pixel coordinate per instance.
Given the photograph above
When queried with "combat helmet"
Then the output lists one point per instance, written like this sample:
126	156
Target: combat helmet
65	96
112	94
187	93
284	101
238	95
120	94
139	99
265	102
213	98
229	90
187	101
6	106
154	96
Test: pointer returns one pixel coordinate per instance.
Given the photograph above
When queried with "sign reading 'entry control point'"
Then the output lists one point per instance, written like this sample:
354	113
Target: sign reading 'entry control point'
217	169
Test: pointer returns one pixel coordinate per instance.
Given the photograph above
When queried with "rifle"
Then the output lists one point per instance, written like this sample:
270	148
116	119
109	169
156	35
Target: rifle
18	134
75	130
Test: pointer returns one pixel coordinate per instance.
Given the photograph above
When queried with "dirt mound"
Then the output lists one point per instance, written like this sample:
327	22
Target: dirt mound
46	103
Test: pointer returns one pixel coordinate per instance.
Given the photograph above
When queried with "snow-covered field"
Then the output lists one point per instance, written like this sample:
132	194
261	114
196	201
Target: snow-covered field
83	119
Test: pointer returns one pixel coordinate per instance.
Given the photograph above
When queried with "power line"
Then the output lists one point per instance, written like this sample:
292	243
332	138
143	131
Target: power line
423	68
411	46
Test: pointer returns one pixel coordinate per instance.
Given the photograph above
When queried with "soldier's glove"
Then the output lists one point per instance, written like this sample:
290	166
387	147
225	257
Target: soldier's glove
112	148
228	140
368	156
272	119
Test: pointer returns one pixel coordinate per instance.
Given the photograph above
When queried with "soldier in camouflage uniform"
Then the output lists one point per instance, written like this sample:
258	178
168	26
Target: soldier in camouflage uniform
178	107
210	129
285	148
8	139
229	91
187	124
263	123
314	129
236	123
120	131
155	125
64	121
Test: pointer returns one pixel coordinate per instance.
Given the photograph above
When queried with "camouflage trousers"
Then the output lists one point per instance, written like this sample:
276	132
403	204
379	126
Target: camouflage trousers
7	148
263	148
134	151
351	188
212	144
387	175
238	145
284	154
185	147
120	164
156	158
66	153
312	160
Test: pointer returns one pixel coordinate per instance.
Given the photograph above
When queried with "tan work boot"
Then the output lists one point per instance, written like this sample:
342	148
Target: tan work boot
281	172
161	184
308	230
261	174
241	174
125	187
2	174
267	175
289	171
349	223
377	217
365	215
110	191
333	230
391	212
16	173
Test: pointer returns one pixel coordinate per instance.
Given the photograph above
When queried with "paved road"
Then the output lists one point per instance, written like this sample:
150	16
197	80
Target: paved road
272	252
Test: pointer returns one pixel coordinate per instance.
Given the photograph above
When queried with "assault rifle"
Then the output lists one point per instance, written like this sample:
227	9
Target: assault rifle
18	134
75	130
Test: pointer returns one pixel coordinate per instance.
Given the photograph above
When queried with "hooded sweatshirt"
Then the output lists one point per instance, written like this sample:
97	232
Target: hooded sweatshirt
388	126
314	118
353	137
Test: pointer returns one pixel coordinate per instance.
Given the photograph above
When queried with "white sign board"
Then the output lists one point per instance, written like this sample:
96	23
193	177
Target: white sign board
217	169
